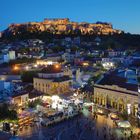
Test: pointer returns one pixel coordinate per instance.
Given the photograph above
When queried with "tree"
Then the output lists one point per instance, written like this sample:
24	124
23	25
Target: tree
57	49
124	115
6	113
13	114
34	103
74	48
27	76
128	52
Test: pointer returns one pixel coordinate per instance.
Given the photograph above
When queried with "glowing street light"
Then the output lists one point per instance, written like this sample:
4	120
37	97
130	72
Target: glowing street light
35	65
57	66
49	63
27	67
85	64
16	68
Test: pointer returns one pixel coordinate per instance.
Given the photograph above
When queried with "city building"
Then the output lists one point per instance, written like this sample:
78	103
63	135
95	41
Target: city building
12	55
138	95
4	58
108	65
5	85
54	57
117	91
20	99
114	53
52	80
138	104
69	56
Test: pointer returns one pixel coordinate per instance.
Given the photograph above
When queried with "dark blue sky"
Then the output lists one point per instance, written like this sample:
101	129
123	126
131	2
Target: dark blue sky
123	14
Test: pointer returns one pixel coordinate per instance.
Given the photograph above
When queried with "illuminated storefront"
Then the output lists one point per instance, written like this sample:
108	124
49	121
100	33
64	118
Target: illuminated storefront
108	97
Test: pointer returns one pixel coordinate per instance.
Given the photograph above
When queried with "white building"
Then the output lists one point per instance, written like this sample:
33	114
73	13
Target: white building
12	55
108	65
69	57
7	56
4	58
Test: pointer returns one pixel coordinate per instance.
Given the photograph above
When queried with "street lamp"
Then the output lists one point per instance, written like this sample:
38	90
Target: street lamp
27	67
57	66
35	65
16	68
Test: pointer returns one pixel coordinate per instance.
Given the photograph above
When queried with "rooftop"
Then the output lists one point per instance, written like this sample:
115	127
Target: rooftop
57	79
19	93
113	79
52	69
34	93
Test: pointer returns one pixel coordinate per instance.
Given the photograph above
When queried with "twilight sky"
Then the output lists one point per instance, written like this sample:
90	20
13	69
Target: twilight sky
123	14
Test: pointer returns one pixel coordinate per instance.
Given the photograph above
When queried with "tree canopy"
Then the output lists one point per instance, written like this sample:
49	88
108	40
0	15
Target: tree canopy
27	76
6	113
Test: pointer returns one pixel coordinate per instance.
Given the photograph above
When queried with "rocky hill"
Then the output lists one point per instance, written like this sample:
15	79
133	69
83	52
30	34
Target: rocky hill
59	27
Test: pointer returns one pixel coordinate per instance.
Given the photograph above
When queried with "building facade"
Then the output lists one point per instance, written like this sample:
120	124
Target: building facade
51	87
20	99
12	55
138	104
53	81
117	98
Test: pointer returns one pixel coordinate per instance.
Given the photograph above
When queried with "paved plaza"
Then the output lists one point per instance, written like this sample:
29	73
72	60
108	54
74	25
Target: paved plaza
81	127
78	128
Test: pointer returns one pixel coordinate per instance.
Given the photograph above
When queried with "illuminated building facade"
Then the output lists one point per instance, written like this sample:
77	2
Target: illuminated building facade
138	103
52	80
116	98
20	99
138	78
117	93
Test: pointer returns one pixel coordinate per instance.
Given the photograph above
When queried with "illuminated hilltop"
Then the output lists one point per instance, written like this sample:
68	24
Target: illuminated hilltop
62	26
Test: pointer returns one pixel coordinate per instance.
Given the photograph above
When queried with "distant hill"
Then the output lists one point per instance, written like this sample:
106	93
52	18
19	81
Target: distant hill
50	29
60	27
